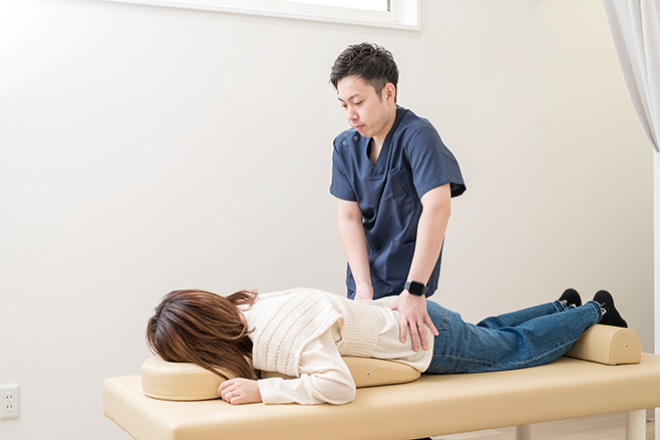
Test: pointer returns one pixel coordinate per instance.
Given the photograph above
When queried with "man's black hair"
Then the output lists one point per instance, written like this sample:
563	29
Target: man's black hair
373	63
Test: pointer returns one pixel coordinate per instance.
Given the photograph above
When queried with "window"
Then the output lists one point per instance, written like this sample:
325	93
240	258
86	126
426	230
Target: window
402	14
370	5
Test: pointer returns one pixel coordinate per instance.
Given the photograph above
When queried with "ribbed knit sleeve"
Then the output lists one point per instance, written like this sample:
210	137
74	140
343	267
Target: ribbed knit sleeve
324	378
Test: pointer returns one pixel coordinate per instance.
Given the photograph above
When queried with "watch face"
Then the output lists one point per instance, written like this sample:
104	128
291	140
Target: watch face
415	288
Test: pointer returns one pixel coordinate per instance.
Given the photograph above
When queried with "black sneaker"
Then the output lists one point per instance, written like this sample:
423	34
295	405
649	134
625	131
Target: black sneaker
611	315
570	297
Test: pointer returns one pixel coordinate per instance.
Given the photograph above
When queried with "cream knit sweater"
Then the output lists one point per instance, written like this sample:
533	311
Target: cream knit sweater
304	332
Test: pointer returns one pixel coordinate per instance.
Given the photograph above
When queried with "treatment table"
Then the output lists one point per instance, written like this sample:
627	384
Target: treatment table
605	372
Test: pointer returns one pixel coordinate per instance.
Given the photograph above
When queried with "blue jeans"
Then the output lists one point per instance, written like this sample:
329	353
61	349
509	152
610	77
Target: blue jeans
526	338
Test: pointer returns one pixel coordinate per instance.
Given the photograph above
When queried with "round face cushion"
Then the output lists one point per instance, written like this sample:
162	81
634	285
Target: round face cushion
179	380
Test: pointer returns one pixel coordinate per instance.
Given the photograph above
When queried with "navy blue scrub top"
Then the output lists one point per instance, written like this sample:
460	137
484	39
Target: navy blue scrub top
412	161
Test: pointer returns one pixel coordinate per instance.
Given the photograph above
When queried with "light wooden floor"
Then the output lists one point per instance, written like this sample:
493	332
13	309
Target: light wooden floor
607	427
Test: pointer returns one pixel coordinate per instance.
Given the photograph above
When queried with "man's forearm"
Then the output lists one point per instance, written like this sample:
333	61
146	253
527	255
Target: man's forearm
430	235
354	242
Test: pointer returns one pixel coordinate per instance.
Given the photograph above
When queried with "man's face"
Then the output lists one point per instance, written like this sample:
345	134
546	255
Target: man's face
366	111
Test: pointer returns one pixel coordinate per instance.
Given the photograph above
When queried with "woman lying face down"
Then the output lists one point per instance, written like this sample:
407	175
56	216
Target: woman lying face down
303	333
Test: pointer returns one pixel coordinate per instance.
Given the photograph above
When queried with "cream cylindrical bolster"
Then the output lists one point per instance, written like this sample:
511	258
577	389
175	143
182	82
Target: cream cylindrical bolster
607	345
369	372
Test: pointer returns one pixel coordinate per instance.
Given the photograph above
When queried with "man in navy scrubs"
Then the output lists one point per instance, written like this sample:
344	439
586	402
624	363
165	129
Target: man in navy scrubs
393	179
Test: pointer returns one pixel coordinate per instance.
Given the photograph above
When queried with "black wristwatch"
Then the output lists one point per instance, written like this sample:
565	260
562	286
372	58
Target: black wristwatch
415	288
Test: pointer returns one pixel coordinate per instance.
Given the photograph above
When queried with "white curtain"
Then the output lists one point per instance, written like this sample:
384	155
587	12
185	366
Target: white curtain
635	27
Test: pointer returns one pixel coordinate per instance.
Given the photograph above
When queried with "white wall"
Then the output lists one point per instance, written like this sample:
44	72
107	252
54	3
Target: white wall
144	149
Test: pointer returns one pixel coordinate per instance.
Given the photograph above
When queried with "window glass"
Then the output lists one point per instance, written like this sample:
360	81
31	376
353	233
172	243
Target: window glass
369	5
402	14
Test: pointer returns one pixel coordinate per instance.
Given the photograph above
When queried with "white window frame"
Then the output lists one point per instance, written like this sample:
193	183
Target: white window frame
403	14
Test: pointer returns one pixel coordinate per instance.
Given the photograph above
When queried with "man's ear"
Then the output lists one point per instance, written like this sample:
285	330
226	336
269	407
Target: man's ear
389	93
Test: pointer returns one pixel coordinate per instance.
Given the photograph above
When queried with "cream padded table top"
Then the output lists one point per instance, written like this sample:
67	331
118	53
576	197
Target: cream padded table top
432	405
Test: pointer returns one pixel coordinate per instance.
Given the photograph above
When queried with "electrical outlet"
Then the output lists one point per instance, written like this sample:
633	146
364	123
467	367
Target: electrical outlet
10	402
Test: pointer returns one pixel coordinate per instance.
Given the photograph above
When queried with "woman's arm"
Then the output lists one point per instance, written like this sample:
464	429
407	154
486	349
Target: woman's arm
325	378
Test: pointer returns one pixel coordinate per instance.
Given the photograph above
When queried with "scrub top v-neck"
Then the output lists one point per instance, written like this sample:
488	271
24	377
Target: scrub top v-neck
412	161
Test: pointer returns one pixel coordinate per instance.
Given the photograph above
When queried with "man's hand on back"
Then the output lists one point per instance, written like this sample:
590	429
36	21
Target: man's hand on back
413	314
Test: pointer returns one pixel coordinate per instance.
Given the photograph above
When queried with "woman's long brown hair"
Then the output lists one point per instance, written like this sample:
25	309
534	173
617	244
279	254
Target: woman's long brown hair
203	328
